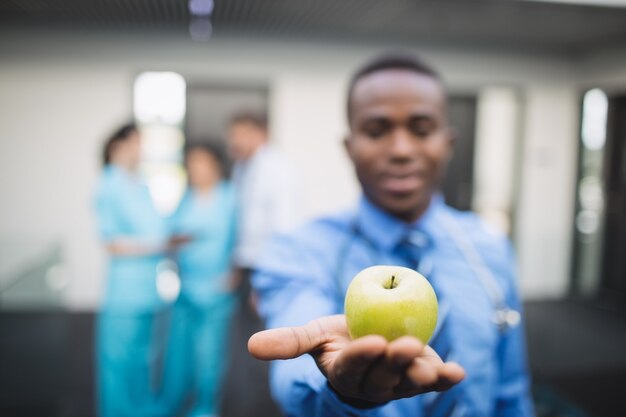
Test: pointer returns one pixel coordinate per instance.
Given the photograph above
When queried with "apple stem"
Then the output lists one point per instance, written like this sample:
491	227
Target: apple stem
393	277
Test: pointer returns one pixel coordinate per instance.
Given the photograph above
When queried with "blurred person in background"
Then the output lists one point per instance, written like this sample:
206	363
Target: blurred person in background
203	310
130	338
266	188
400	143
266	191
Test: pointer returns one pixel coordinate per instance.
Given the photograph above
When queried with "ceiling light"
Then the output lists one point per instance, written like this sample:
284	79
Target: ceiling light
201	7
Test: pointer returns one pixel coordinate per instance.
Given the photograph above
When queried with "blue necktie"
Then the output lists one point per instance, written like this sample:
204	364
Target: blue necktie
414	248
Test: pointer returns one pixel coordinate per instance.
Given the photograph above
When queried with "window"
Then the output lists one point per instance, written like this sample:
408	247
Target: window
159	106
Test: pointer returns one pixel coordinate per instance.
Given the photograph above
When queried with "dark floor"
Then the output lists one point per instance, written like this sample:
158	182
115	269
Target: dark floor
576	349
246	374
577	352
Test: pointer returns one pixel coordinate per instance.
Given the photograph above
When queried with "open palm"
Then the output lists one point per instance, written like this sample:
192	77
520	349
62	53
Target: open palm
369	368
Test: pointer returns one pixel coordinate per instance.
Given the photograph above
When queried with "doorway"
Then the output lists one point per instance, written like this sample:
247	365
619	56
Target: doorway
458	184
210	106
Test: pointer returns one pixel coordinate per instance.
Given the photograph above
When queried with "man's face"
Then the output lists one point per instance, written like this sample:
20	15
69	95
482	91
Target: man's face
244	138
399	142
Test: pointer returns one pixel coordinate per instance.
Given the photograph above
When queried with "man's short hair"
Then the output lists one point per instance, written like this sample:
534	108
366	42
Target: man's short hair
258	119
385	62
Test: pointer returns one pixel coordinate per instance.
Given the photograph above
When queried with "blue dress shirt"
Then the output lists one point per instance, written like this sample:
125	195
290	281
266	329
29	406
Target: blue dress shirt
304	275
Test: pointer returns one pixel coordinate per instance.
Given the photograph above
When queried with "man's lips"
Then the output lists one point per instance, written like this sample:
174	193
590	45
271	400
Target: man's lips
404	183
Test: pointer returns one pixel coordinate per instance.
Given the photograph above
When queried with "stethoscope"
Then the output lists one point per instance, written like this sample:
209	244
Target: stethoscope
504	317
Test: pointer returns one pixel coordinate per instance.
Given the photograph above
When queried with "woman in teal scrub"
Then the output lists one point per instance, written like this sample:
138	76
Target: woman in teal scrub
130	339
202	314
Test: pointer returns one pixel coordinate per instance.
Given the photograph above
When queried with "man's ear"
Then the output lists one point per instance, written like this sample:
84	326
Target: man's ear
347	144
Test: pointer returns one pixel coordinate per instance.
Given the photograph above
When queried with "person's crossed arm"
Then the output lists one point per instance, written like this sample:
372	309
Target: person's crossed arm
365	372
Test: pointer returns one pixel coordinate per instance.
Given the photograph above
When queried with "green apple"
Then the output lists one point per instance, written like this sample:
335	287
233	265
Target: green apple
391	301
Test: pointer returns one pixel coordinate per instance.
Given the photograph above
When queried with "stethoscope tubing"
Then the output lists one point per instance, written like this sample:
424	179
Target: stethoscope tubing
504	317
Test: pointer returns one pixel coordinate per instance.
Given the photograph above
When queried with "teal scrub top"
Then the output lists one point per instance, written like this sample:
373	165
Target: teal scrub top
210	220
125	210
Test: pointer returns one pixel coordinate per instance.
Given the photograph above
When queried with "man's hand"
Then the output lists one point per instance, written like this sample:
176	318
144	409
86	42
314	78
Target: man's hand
369	368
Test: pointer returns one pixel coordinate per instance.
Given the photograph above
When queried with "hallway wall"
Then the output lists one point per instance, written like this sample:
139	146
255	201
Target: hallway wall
62	93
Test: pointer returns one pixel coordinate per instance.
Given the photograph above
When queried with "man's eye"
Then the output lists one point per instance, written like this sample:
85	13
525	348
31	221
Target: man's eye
375	130
421	129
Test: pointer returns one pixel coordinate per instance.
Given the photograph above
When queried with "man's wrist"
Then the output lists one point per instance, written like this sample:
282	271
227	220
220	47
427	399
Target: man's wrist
354	402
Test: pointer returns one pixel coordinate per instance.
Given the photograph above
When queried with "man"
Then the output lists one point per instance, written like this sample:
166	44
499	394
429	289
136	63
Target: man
265	186
400	144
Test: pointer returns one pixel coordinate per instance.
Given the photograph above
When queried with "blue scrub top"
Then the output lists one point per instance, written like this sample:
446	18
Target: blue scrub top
304	275
210	220
125	210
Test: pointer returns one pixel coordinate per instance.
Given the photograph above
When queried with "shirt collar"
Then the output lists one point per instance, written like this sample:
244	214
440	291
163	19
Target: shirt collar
385	230
259	154
241	168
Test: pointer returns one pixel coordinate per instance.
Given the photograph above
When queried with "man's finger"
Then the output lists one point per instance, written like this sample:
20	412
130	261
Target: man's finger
286	342
424	376
422	373
387	373
352	364
449	374
401	352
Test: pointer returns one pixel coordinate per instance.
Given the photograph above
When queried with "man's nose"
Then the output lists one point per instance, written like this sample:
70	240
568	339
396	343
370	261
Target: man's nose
403	144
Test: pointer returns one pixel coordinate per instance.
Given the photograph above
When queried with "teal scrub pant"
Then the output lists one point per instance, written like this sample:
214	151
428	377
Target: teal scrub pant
130	350
197	352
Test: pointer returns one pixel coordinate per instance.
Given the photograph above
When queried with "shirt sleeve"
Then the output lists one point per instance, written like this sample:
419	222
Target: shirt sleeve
513	393
294	288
